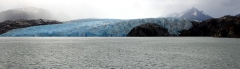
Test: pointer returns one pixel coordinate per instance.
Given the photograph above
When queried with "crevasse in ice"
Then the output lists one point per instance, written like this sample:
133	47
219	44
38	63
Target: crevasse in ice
99	27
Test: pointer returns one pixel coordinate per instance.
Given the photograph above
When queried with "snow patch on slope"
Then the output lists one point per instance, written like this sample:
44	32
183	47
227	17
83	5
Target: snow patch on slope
195	13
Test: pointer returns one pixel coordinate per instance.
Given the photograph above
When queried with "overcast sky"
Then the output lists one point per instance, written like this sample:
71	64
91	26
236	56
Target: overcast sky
126	9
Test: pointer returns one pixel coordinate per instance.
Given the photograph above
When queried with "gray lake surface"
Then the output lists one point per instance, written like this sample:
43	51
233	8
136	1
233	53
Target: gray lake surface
119	53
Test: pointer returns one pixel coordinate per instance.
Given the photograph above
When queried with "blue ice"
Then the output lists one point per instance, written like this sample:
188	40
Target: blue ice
98	27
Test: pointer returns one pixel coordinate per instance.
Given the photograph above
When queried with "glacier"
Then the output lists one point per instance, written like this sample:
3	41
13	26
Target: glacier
98	27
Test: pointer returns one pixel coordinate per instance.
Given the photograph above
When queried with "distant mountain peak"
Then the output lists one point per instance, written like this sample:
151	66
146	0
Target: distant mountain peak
193	8
238	15
195	11
192	13
27	13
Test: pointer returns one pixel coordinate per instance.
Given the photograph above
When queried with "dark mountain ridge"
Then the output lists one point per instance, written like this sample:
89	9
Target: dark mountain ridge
238	15
226	26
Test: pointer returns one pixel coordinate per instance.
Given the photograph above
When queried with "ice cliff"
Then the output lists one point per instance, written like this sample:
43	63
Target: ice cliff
99	27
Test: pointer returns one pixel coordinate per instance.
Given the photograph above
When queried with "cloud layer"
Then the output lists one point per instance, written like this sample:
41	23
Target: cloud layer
125	9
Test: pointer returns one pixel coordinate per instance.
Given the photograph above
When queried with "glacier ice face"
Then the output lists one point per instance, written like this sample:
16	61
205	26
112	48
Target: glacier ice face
98	27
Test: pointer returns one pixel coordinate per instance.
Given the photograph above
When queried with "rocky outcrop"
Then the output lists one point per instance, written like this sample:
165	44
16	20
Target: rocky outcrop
21	23
148	29
227	26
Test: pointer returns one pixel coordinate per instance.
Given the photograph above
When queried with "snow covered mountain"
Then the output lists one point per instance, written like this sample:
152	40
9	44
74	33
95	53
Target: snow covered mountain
193	14
25	13
99	27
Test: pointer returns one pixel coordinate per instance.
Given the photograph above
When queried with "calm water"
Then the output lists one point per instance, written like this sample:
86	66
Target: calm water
120	53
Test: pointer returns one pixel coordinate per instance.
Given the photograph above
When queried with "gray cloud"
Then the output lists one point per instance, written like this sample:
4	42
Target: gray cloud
125	9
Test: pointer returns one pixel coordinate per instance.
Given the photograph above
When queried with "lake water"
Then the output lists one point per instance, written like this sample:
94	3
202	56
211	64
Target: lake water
119	53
